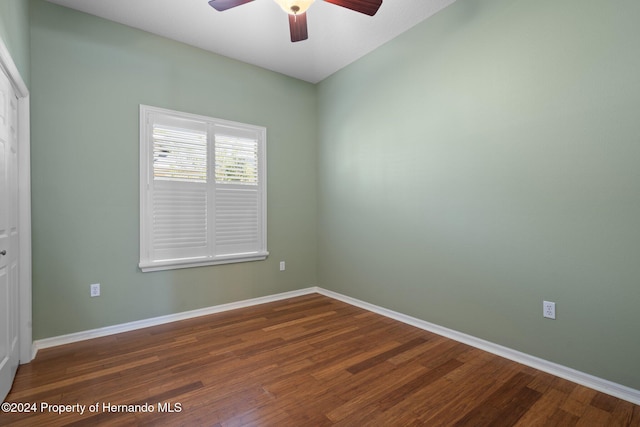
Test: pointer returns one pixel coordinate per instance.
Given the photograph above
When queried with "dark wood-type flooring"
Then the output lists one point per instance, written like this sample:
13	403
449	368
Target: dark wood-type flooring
305	361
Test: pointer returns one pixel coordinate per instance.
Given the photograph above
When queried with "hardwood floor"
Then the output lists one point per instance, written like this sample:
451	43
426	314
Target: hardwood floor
306	361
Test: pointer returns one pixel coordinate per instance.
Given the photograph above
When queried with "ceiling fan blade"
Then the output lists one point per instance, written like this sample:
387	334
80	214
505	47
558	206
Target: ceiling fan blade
298	27
368	7
221	5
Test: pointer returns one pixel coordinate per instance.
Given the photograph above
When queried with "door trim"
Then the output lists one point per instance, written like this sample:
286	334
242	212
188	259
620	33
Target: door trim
24	202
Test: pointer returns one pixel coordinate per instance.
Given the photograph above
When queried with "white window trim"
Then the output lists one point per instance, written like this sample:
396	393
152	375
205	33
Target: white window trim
147	264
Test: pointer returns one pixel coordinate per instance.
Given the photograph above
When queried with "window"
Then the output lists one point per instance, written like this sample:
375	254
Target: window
202	190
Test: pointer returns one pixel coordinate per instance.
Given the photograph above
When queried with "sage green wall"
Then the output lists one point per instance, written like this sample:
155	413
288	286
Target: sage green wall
14	31
89	76
488	159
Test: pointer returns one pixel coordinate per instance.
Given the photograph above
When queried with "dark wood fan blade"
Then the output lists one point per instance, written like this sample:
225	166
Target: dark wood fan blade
368	7
298	27
221	5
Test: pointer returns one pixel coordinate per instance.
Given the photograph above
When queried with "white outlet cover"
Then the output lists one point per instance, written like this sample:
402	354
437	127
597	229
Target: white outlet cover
95	290
549	309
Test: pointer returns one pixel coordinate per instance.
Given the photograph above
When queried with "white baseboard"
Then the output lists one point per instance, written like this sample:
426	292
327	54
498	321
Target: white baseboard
587	380
154	321
605	386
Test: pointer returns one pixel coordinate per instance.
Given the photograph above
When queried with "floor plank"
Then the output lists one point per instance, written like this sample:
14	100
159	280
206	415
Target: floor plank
305	361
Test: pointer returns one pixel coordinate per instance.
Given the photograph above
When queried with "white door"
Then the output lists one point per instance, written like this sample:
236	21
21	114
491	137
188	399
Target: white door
9	313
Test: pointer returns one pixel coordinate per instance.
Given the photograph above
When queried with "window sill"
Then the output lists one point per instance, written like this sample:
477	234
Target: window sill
173	264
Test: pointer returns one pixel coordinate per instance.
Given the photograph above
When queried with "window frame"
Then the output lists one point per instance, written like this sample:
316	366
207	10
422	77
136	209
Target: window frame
150	115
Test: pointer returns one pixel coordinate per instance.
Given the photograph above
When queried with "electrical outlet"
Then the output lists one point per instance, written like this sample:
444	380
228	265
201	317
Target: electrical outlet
282	267
95	290
549	309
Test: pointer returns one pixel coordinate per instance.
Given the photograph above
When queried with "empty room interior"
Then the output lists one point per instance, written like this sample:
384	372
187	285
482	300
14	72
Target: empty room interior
444	222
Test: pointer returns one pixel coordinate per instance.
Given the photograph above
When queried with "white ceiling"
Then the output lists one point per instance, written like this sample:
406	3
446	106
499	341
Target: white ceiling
258	32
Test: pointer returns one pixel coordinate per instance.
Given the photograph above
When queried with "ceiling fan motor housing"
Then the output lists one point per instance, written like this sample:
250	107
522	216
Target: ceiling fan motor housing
294	7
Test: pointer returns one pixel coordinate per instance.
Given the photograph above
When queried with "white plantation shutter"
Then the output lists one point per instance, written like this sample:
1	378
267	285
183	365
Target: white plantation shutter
202	184
180	153
238	195
179	220
236	156
179	189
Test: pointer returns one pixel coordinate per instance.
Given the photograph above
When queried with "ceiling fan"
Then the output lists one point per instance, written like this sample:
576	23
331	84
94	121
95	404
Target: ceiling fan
297	10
